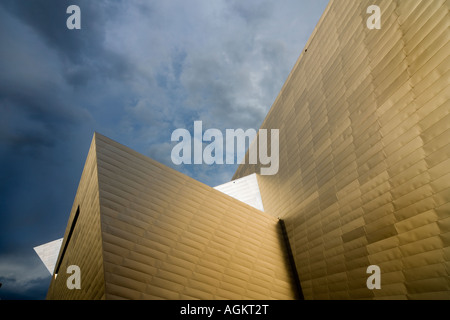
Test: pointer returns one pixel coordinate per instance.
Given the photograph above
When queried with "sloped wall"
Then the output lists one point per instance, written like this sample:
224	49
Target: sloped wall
364	175
85	246
167	236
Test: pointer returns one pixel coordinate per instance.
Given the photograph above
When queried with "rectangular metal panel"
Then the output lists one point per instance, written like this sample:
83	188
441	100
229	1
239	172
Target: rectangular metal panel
371	151
167	236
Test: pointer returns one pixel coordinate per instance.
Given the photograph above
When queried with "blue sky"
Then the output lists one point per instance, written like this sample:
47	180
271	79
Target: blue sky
136	71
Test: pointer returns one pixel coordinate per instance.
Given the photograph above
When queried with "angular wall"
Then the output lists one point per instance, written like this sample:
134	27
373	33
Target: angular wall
364	176
146	231
168	236
84	248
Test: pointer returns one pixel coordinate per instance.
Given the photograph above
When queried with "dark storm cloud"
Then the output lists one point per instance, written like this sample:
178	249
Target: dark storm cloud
36	103
82	54
31	120
36	289
22	277
40	114
48	19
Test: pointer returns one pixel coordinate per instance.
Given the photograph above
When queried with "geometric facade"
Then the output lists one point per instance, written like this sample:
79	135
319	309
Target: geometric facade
141	230
364	173
363	179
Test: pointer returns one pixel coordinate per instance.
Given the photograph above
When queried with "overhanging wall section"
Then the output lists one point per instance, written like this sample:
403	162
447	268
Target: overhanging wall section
84	248
167	236
364	175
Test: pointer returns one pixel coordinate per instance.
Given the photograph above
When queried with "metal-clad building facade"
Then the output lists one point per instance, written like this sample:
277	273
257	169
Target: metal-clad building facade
145	231
364	175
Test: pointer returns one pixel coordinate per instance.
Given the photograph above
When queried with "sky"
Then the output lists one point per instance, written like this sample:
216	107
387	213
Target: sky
135	71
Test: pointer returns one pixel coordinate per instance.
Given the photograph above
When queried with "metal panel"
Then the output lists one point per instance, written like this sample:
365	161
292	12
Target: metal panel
167	236
245	189
385	176
48	253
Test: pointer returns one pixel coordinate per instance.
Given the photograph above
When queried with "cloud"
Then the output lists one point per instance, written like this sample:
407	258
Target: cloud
22	277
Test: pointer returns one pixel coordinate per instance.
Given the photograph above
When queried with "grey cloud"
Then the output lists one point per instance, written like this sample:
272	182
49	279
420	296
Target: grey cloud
31	117
253	12
35	290
48	18
79	50
23	277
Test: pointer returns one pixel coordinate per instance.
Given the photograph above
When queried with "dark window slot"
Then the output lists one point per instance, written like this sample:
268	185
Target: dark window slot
74	221
287	245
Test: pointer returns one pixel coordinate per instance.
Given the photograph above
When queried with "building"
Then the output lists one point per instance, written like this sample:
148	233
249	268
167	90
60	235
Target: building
364	179
140	230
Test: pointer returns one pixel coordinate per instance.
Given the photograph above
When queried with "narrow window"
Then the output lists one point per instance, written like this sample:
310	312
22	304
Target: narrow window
74	221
